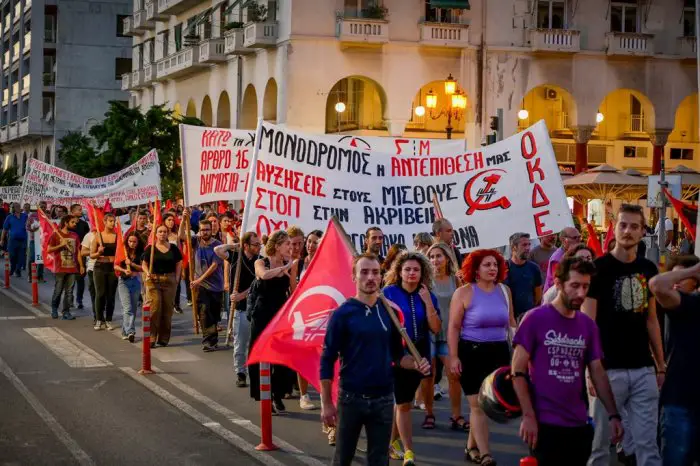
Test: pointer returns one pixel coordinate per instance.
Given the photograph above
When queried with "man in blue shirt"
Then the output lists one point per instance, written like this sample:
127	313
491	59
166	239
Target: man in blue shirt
524	277
14	238
360	333
209	283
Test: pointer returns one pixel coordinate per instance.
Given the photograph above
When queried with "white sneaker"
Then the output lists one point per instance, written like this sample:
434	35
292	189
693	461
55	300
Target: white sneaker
305	403
437	392
109	326
98	326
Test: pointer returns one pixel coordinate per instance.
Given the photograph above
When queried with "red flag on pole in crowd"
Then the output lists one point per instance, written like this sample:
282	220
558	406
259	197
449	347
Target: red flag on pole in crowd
108	206
168	204
688	213
609	236
47	229
96	217
593	240
222	207
121	247
294	337
157	220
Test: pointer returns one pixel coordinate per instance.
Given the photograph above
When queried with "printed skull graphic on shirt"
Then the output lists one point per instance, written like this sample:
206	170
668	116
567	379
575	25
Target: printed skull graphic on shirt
631	293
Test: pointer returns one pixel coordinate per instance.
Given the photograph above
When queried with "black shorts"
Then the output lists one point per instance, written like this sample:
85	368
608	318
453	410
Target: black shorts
478	361
406	382
557	445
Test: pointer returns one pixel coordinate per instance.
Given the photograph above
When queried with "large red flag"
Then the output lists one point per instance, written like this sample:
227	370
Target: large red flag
609	236
222	207
47	229
688	213
168	204
96	217
121	251
294	337
108	206
593	240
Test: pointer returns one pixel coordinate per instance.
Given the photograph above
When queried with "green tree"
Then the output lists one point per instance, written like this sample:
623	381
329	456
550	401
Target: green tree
122	138
9	177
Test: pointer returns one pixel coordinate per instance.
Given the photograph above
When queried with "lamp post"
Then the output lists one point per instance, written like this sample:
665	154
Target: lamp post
456	103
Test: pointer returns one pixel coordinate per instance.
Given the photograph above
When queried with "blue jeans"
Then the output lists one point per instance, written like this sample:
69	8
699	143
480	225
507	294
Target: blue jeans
680	436
129	292
18	254
63	286
241	336
376	415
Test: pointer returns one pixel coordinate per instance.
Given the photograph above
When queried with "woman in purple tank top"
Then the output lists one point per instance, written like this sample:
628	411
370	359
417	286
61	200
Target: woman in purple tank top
481	315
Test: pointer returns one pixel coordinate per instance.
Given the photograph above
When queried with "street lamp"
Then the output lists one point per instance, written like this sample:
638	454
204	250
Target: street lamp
523	114
340	107
599	117
456	103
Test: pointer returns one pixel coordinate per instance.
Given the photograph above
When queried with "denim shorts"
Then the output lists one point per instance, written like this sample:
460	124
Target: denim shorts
438	349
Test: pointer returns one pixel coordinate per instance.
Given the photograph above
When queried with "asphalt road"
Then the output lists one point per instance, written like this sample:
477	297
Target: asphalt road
72	395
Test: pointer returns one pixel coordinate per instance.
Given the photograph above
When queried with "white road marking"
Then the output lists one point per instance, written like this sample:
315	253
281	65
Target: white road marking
25	304
171	354
236	418
70	350
65	438
17	317
205	421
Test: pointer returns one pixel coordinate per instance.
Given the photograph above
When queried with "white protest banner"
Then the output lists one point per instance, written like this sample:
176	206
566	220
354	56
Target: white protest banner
10	194
487	194
215	160
136	184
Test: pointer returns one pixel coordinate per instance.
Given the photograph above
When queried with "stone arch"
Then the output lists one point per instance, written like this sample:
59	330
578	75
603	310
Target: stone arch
206	113
685	128
47	155
35	154
423	118
191	110
177	110
363	105
625	112
249	109
223	111
270	101
549	102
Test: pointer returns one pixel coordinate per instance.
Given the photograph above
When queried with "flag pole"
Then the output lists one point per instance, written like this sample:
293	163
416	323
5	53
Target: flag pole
390	310
190	266
153	246
244	225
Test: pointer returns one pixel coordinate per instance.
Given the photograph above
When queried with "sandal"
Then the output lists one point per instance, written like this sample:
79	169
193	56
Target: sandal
428	422
455	423
487	460
472	455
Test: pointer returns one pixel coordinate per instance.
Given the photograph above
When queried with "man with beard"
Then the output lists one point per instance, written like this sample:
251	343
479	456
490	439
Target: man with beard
570	238
141	227
361	333
444	232
524	278
374	240
541	253
64	244
624	308
556	343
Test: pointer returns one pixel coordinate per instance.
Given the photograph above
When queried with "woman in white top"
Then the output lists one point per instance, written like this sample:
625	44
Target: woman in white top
581	251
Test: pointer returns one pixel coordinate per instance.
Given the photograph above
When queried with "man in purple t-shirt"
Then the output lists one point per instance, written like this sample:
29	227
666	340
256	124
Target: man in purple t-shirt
557	343
570	238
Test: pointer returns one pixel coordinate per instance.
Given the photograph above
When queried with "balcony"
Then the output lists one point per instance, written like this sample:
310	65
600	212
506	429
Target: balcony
362	31
27	5
260	35
3	134
6	26
175	7
234	43
5	97
15	52
555	40
6	60
139	22
148	73
12	131
23	129
153	14
136	79
27	42
128	26
126	81
444	35
630	44
15	91
181	63
25	85
212	51
18	11
687	48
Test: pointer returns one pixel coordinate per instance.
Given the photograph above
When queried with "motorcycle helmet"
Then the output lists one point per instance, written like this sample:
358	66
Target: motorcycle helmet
497	396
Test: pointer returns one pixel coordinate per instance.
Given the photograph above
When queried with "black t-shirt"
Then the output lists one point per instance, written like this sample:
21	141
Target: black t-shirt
622	294
81	229
247	274
682	376
162	262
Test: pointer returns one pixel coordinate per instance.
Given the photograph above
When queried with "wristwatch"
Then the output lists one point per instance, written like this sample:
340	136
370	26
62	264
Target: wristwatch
615	416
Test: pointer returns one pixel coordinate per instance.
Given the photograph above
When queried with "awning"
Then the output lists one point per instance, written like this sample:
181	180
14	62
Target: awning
454	4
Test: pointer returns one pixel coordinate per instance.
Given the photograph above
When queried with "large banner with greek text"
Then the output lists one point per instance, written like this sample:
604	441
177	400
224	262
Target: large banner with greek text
215	160
487	194
10	194
136	184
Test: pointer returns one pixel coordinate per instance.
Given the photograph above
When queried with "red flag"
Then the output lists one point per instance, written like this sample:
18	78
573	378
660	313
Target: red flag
185	251
96	216
108	206
688	213
294	337
121	251
47	229
223	207
593	240
168	204
609	236
157	221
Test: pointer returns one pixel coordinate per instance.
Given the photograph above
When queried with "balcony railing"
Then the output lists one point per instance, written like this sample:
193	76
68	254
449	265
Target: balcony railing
637	124
555	40
630	43
181	63
25	85
153	14
12	132
5	97
23	129
367	31
259	35
127	26
212	51
137	79
6	59
27	42
139	23
15	52
126	81
174	7
148	73
27	5
49	79
3	133
444	34
234	43
687	47
15	91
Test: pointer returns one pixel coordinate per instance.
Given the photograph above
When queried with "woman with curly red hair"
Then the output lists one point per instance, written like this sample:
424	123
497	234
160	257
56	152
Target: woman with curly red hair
481	315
